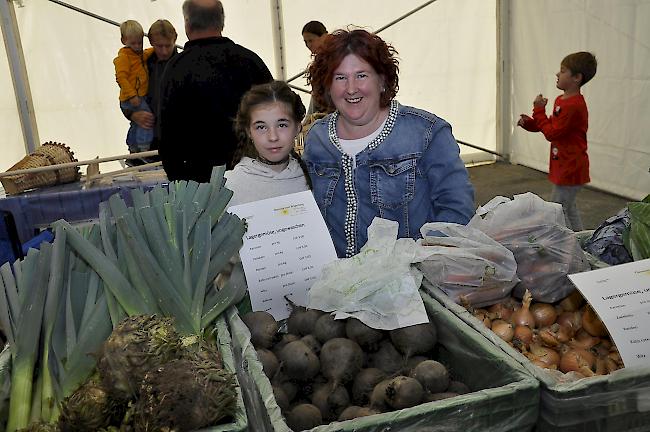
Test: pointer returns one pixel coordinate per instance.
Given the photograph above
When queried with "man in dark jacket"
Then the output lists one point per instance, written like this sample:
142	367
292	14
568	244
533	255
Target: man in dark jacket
201	90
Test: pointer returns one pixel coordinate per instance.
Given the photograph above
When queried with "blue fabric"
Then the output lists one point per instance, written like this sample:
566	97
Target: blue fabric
45	236
37	209
138	139
607	243
415	175
9	244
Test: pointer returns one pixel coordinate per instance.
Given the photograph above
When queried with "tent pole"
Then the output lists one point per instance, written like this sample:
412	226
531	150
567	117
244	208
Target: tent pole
504	115
278	38
406	15
11	37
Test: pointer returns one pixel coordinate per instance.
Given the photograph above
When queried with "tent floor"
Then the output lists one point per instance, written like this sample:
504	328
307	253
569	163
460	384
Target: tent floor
502	178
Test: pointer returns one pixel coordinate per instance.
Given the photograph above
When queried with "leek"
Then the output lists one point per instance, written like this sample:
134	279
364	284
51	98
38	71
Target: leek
32	286
49	318
173	244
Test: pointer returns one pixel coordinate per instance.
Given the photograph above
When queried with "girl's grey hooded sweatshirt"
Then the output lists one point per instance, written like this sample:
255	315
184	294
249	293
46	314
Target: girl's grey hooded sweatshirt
252	180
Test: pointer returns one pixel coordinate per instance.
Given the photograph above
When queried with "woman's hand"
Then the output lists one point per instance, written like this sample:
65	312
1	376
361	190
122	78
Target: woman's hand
540	101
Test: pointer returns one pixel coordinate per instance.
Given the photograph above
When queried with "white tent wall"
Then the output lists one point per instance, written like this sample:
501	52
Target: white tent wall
447	53
446	50
618	98
69	59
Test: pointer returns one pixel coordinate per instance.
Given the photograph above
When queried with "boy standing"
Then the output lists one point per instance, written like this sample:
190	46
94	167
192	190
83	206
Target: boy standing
566	129
132	77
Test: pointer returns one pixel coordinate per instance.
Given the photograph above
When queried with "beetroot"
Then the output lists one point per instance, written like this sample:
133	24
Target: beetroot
458	387
341	359
289	387
412	363
354	411
312	343
327	328
404	392
303	417
378	397
386	358
367	337
433	376
330	402
284	339
281	398
298	362
270	363
364	383
302	321
415	339
263	328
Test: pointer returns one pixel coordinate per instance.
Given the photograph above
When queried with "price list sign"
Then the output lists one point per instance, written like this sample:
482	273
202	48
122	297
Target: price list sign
285	247
620	295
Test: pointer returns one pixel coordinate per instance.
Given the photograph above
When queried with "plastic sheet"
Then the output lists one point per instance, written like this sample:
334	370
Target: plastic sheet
467	264
545	250
616	402
377	286
504	396
240	420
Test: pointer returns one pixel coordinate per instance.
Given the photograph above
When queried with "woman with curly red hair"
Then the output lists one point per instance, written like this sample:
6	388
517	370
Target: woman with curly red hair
373	157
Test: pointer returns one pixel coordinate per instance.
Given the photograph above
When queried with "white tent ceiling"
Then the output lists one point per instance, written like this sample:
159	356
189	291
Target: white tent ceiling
450	64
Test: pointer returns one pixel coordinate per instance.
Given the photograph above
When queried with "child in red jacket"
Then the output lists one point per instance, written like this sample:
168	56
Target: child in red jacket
566	129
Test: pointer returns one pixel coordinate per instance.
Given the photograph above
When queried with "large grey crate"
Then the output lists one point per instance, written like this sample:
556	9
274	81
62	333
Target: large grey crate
616	402
504	398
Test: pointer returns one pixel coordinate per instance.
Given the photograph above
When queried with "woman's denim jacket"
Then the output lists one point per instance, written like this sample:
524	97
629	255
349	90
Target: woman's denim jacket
411	173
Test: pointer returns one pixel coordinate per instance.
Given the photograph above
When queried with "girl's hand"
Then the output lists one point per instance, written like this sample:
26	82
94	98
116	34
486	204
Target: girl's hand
135	101
540	101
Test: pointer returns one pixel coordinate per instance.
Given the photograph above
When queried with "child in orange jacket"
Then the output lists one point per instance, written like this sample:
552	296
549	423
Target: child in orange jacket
133	78
566	129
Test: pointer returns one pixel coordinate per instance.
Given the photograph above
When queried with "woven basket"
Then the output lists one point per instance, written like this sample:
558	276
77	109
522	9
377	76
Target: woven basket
299	143
50	153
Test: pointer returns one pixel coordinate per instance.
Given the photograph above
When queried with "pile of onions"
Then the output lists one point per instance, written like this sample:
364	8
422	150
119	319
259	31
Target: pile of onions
567	336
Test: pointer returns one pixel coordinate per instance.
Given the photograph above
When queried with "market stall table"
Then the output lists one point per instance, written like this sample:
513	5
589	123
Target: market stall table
37	209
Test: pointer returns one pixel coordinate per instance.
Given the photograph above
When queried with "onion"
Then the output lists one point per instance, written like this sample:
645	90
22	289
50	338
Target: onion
541	364
482	315
570	319
584	340
500	311
544	314
573	301
592	324
522	337
548	335
503	329
544	355
564	333
578	360
616	357
522	316
611	365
